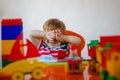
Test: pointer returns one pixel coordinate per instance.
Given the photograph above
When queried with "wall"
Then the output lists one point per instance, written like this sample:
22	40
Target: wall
90	18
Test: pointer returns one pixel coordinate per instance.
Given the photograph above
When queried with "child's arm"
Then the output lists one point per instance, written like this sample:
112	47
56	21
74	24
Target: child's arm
35	36
71	39
67	38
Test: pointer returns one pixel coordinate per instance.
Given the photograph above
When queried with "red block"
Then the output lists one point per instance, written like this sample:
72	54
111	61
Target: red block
8	22
109	39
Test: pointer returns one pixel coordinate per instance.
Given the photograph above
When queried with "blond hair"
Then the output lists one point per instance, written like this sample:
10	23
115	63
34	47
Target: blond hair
53	24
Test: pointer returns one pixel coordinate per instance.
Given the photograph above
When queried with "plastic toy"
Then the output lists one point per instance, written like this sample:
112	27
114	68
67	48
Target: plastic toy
31	50
74	61
107	54
92	48
18	69
11	28
110	60
93	63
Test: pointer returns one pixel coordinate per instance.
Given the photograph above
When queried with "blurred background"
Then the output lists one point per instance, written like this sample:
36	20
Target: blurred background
90	18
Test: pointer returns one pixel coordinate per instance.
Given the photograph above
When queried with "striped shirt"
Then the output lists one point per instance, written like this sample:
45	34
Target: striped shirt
60	52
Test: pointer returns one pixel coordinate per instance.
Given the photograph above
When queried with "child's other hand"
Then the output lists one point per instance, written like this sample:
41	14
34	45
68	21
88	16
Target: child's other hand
59	35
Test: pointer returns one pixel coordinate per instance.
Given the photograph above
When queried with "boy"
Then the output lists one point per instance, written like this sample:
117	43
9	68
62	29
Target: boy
55	44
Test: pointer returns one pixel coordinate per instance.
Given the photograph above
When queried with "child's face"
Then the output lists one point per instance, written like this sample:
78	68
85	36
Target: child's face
52	35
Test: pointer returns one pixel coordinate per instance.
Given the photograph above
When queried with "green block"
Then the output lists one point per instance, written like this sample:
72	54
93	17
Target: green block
5	62
111	78
104	75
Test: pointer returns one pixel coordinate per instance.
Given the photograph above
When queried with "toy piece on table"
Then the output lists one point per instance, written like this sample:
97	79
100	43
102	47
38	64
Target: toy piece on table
92	48
110	54
73	60
106	53
10	28
94	62
16	54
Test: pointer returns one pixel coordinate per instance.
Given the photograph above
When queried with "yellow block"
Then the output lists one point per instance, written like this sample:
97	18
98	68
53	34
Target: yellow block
7	46
113	65
98	55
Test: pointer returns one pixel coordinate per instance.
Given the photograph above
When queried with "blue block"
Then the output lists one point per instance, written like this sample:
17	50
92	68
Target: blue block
11	32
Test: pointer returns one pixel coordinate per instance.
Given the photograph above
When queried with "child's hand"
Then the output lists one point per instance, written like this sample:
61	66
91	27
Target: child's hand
59	35
50	36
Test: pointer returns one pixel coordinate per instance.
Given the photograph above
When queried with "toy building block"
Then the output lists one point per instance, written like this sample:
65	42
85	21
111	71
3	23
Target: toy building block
92	48
10	29
113	61
92	52
15	51
104	75
32	51
111	56
7	46
109	39
16	54
9	22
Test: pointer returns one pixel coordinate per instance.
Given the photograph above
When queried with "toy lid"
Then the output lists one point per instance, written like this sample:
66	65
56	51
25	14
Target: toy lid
93	43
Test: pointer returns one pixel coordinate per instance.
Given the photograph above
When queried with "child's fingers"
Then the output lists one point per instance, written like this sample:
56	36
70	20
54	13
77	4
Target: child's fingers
57	31
50	35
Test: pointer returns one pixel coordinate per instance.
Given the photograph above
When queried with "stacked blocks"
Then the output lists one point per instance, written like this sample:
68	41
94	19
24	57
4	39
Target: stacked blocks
93	64
107	55
11	28
110	50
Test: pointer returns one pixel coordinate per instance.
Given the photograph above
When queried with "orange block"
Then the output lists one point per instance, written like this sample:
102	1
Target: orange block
7	46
